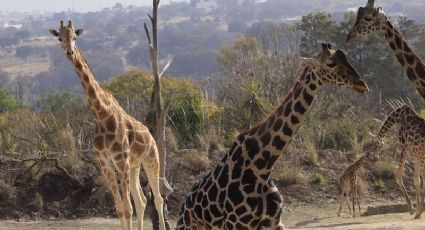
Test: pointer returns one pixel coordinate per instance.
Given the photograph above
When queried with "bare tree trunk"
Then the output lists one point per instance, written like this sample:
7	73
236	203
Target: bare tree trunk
157	102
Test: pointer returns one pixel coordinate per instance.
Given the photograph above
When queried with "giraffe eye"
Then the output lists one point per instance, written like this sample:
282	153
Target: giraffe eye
74	39
368	19
60	39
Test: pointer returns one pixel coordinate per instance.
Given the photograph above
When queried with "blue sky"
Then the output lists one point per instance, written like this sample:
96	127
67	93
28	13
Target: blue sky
61	5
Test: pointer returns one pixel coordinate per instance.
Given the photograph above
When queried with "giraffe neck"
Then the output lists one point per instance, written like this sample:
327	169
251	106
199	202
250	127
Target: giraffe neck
412	65
395	117
96	96
265	143
357	164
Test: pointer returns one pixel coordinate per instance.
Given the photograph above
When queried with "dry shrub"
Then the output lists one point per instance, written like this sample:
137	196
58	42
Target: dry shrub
194	159
210	138
384	170
286	174
362	186
7	192
319	179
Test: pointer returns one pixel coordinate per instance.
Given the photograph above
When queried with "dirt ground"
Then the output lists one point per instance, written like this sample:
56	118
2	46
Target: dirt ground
322	216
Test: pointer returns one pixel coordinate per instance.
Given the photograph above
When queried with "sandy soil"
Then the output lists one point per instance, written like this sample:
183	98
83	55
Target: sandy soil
322	216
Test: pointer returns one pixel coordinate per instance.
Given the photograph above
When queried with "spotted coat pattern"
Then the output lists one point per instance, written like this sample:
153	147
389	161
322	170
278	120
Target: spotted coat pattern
239	192
121	142
412	139
372	19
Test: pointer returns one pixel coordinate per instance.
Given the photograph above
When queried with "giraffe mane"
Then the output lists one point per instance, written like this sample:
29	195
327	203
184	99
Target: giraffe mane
397	103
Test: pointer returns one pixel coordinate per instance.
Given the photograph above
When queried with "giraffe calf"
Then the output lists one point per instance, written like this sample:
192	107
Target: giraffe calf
348	182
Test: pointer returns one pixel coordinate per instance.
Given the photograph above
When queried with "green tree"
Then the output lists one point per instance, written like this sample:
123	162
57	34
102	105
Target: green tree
316	27
52	101
8	102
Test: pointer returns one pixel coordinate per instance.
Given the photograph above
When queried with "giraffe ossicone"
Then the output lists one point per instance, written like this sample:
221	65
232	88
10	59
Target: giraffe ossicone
122	143
239	192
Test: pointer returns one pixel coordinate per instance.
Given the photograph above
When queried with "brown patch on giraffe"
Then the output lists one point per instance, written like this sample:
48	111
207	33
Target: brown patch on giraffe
420	70
90	92
152	154
119	214
86	78
116	147
111	124
109	139
78	65
118	157
99	142
127	214
138	148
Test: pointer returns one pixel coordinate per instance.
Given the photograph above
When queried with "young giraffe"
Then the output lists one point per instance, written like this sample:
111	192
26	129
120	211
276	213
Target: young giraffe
412	139
348	182
239	193
121	142
371	19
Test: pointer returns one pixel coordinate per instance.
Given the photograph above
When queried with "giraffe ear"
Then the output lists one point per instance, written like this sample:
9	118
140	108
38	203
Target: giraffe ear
54	33
79	32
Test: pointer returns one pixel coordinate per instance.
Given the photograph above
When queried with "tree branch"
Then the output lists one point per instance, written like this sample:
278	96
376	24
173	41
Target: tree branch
147	34
170	60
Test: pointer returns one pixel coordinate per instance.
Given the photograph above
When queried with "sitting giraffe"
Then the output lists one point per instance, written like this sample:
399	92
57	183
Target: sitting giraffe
121	142
412	139
348	182
239	193
372	19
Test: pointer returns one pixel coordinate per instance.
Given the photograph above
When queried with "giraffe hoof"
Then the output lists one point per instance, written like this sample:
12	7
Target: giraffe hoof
411	211
417	216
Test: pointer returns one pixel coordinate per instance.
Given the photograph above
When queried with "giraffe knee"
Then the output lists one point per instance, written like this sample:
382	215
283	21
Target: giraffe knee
128	214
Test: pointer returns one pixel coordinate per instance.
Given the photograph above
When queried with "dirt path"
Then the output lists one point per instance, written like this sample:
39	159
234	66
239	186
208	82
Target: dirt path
319	217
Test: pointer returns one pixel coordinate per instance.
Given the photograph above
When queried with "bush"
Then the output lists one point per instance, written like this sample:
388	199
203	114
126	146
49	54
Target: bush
289	175
384	170
319	179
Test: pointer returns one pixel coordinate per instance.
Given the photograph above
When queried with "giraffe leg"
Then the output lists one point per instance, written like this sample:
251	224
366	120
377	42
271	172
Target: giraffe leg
138	196
358	203
152	172
109	174
123	169
421	202
417	181
341	201
400	183
348	203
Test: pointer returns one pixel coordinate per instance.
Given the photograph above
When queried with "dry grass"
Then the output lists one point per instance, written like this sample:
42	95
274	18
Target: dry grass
384	170
288	174
195	159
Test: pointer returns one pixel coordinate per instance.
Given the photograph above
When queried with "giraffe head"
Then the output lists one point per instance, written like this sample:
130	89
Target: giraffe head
67	37
369	19
375	148
332	67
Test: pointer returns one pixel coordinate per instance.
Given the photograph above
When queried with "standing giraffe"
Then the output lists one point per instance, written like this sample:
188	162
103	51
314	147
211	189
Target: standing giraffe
239	193
412	139
348	182
121	142
371	19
